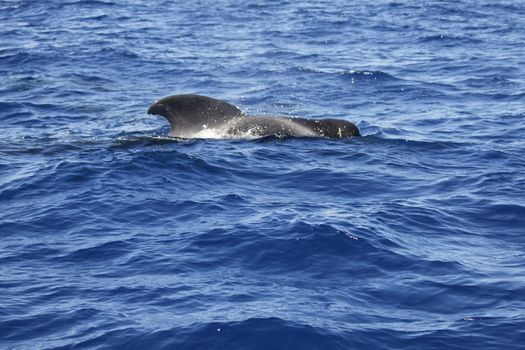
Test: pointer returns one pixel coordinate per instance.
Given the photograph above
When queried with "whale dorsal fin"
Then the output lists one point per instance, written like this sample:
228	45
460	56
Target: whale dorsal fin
189	113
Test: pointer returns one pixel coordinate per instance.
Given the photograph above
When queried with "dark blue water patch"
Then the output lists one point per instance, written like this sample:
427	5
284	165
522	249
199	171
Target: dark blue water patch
495	214
41	324
97	254
494	82
336	247
8	108
450	40
505	7
281	334
23	57
43	252
252	333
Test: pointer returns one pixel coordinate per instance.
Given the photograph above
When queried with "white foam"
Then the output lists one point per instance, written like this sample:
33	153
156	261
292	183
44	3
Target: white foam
220	133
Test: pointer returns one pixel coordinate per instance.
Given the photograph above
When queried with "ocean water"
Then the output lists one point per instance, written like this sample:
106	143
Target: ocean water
113	235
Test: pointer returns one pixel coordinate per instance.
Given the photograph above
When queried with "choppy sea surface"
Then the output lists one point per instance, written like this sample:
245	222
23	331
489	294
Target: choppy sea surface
113	235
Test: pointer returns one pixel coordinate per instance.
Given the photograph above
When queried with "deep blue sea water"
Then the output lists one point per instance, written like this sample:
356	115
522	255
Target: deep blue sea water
113	235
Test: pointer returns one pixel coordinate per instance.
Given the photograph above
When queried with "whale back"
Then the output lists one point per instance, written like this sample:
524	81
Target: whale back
193	113
193	116
331	128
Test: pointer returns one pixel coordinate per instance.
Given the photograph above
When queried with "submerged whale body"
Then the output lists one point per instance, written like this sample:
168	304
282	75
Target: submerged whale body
193	116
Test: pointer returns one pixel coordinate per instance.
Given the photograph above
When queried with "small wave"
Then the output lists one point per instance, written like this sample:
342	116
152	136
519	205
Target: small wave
147	140
118	53
485	216
99	253
50	145
141	140
251	333
22	57
94	3
494	96
8	108
488	82
449	41
83	78
355	75
368	75
413	143
26	328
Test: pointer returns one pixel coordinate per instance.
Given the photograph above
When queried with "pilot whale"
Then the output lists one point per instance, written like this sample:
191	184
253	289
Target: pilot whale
192	115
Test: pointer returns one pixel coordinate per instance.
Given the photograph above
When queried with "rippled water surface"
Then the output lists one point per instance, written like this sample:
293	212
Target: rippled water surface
114	235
